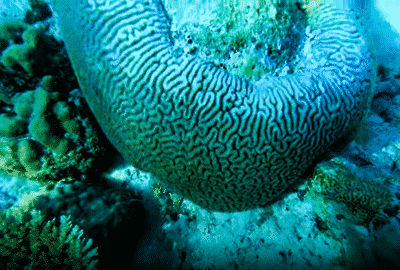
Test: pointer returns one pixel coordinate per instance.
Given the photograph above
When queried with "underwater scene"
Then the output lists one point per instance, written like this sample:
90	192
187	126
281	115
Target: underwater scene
200	134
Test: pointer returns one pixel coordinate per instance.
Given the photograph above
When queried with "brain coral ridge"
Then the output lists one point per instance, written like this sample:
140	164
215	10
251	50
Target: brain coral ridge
219	140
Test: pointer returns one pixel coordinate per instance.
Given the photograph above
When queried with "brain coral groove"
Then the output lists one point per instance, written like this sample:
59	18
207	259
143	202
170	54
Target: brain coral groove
221	141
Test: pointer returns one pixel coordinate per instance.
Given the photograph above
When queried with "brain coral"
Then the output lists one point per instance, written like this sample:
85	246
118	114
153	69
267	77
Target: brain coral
221	141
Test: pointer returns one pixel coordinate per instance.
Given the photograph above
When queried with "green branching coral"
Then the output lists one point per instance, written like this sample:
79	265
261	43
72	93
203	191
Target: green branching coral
364	198
21	54
29	49
27	241
22	45
44	131
41	136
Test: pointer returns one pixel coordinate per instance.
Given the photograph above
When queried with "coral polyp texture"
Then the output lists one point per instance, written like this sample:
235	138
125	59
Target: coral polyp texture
43	135
223	142
29	242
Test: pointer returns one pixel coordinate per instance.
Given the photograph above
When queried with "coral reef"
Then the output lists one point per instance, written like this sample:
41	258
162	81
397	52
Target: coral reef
92	209
171	203
107	215
43	137
20	54
218	139
46	132
366	199
28	242
247	40
29	48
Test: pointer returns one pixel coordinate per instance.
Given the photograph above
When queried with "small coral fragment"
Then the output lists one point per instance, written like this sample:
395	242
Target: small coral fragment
29	49
11	126
28	151
10	32
30	242
44	137
63	113
17	55
364	198
9	162
23	104
21	54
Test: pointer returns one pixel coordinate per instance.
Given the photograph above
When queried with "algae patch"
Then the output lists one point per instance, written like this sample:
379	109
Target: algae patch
247	40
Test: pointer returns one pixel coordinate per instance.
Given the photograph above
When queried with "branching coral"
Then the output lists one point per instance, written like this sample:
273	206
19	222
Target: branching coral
93	209
42	137
44	131
27	241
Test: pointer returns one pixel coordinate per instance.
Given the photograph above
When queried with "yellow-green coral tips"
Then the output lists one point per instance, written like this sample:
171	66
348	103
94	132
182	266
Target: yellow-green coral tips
23	104
29	241
45	134
28	153
19	54
219	140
